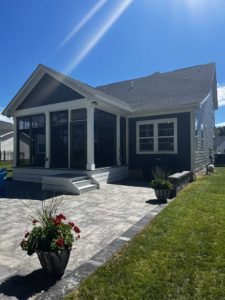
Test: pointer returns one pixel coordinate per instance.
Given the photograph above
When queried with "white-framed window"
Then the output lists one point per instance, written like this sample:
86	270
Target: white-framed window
156	136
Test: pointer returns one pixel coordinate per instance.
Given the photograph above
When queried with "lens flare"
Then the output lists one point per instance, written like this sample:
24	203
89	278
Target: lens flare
97	35
82	23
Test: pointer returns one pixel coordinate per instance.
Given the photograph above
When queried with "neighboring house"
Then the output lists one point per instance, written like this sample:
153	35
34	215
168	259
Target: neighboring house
220	144
65	126
6	141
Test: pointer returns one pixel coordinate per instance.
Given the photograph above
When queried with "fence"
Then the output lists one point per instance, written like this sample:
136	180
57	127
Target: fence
6	156
219	159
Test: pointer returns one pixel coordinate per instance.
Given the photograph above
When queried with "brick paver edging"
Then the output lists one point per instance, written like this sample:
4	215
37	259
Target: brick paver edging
72	280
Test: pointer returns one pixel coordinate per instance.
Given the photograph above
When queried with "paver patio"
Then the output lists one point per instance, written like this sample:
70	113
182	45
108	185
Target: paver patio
102	215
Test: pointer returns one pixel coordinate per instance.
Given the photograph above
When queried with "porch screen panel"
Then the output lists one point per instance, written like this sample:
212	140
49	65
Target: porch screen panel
31	141
59	139
105	138
123	141
78	139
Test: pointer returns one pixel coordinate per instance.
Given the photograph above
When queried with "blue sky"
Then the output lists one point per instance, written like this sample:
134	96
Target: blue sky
103	41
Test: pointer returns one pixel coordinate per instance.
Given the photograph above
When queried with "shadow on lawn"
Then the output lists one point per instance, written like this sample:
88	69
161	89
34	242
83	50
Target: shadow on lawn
26	190
23	287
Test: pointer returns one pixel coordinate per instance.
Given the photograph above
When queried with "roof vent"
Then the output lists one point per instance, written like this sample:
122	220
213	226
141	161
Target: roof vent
185	78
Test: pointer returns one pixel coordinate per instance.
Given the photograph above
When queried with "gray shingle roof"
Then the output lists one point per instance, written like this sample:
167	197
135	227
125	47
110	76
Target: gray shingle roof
5	127
93	91
165	90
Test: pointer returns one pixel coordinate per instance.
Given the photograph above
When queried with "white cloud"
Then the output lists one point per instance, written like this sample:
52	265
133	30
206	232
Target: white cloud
221	94
220	124
98	34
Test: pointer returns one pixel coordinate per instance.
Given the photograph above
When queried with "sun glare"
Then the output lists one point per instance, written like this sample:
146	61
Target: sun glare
96	36
82	23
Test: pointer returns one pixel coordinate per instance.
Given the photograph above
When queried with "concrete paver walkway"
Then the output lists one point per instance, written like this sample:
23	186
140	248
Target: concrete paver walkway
102	215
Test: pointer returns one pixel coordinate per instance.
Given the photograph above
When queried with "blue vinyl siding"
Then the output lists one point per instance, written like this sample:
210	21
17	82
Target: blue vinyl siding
204	132
144	163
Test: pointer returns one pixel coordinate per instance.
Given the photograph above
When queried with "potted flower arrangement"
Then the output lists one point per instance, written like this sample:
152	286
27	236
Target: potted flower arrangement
51	237
161	185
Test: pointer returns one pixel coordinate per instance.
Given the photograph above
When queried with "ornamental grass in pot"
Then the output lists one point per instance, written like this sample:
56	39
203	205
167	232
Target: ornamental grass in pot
51	236
161	185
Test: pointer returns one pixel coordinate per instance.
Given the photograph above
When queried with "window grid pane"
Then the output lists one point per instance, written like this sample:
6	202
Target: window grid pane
146	144
166	144
166	129
146	130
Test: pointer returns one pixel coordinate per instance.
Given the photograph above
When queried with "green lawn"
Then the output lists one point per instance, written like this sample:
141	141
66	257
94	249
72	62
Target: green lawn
180	255
9	168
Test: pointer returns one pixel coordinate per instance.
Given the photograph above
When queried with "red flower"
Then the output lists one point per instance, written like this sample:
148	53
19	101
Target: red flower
71	224
60	243
57	221
26	234
35	221
61	217
76	229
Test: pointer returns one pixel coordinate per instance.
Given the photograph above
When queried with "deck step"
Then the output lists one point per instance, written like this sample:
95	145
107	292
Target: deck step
81	183
87	188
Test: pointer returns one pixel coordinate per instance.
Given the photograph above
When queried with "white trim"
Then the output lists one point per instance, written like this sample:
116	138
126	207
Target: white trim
160	113
47	140
90	138
5	134
206	98
15	142
155	122
74	104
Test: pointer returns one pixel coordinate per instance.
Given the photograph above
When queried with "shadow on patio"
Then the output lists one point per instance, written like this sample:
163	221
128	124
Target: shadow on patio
26	190
23	287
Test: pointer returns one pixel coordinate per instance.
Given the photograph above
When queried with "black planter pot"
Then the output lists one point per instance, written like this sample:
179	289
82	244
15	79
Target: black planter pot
54	263
162	195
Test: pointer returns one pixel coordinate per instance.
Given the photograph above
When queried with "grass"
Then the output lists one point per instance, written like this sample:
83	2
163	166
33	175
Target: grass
180	255
9	167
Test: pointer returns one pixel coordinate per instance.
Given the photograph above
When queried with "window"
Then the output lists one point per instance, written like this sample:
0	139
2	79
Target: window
157	136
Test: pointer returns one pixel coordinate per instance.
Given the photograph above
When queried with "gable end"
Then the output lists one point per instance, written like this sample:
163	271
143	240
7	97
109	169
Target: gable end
49	91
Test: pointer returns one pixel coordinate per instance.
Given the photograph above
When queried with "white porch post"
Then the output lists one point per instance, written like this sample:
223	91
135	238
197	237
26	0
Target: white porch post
15	138
90	139
118	140
47	139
